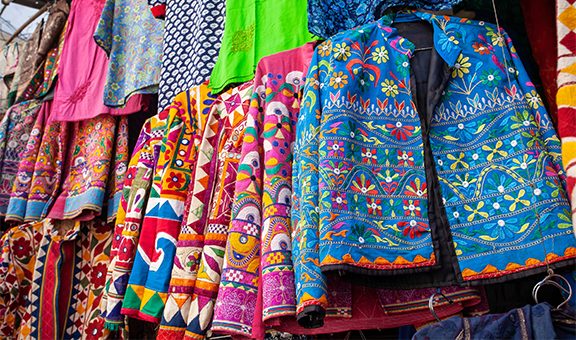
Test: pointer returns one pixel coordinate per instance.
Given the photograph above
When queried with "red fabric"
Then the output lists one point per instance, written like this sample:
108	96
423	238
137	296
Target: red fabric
367	313
159	11
66	282
540	22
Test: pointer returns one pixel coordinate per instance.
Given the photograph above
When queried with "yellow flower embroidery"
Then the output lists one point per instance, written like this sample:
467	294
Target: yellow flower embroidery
380	55
516	200
495	151
475	211
341	51
458	161
389	87
533	99
325	48
461	67
338	80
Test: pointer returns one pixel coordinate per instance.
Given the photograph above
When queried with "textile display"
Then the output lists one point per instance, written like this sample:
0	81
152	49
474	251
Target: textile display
262	169
260	214
148	285
203	237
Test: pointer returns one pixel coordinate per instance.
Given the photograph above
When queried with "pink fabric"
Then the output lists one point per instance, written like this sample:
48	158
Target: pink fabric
79	90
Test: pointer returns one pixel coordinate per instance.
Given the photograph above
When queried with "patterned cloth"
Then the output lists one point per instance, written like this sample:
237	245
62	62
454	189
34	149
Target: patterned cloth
191	238
250	34
566	95
130	215
21	189
359	178
328	17
132	38
261	210
98	152
204	238
147	288
192	35
15	130
47	172
68	281
19	247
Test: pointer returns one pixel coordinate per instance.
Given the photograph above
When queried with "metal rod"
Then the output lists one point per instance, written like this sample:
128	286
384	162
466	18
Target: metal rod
28	22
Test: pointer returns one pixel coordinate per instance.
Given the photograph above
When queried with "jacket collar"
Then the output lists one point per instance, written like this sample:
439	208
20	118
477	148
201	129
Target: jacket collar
446	42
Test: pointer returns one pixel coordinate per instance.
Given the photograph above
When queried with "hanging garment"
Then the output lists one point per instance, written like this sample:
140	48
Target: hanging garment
51	64
329	17
9	58
250	35
259	235
47	172
190	239
19	248
15	130
529	322
203	240
148	284
566	95
80	85
68	281
132	39
44	41
135	191
22	186
192	35
390	164
97	151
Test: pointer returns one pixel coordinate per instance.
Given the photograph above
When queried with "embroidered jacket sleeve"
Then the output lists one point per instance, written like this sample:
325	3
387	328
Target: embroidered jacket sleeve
113	318
191	237
234	311
233	111
147	243
179	154
311	288
540	116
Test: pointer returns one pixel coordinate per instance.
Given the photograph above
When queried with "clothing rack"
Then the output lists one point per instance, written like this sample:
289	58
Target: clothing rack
36	15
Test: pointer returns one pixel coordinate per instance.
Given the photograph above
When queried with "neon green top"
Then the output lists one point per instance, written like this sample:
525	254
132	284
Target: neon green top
255	29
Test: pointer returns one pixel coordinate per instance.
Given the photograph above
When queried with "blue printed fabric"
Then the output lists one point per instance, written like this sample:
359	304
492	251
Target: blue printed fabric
360	190
328	17
132	38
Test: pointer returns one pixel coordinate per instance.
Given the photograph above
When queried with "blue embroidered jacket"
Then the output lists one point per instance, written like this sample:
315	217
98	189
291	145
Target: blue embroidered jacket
473	187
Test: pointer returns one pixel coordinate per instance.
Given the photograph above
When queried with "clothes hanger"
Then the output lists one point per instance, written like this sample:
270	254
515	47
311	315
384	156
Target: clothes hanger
549	281
431	303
